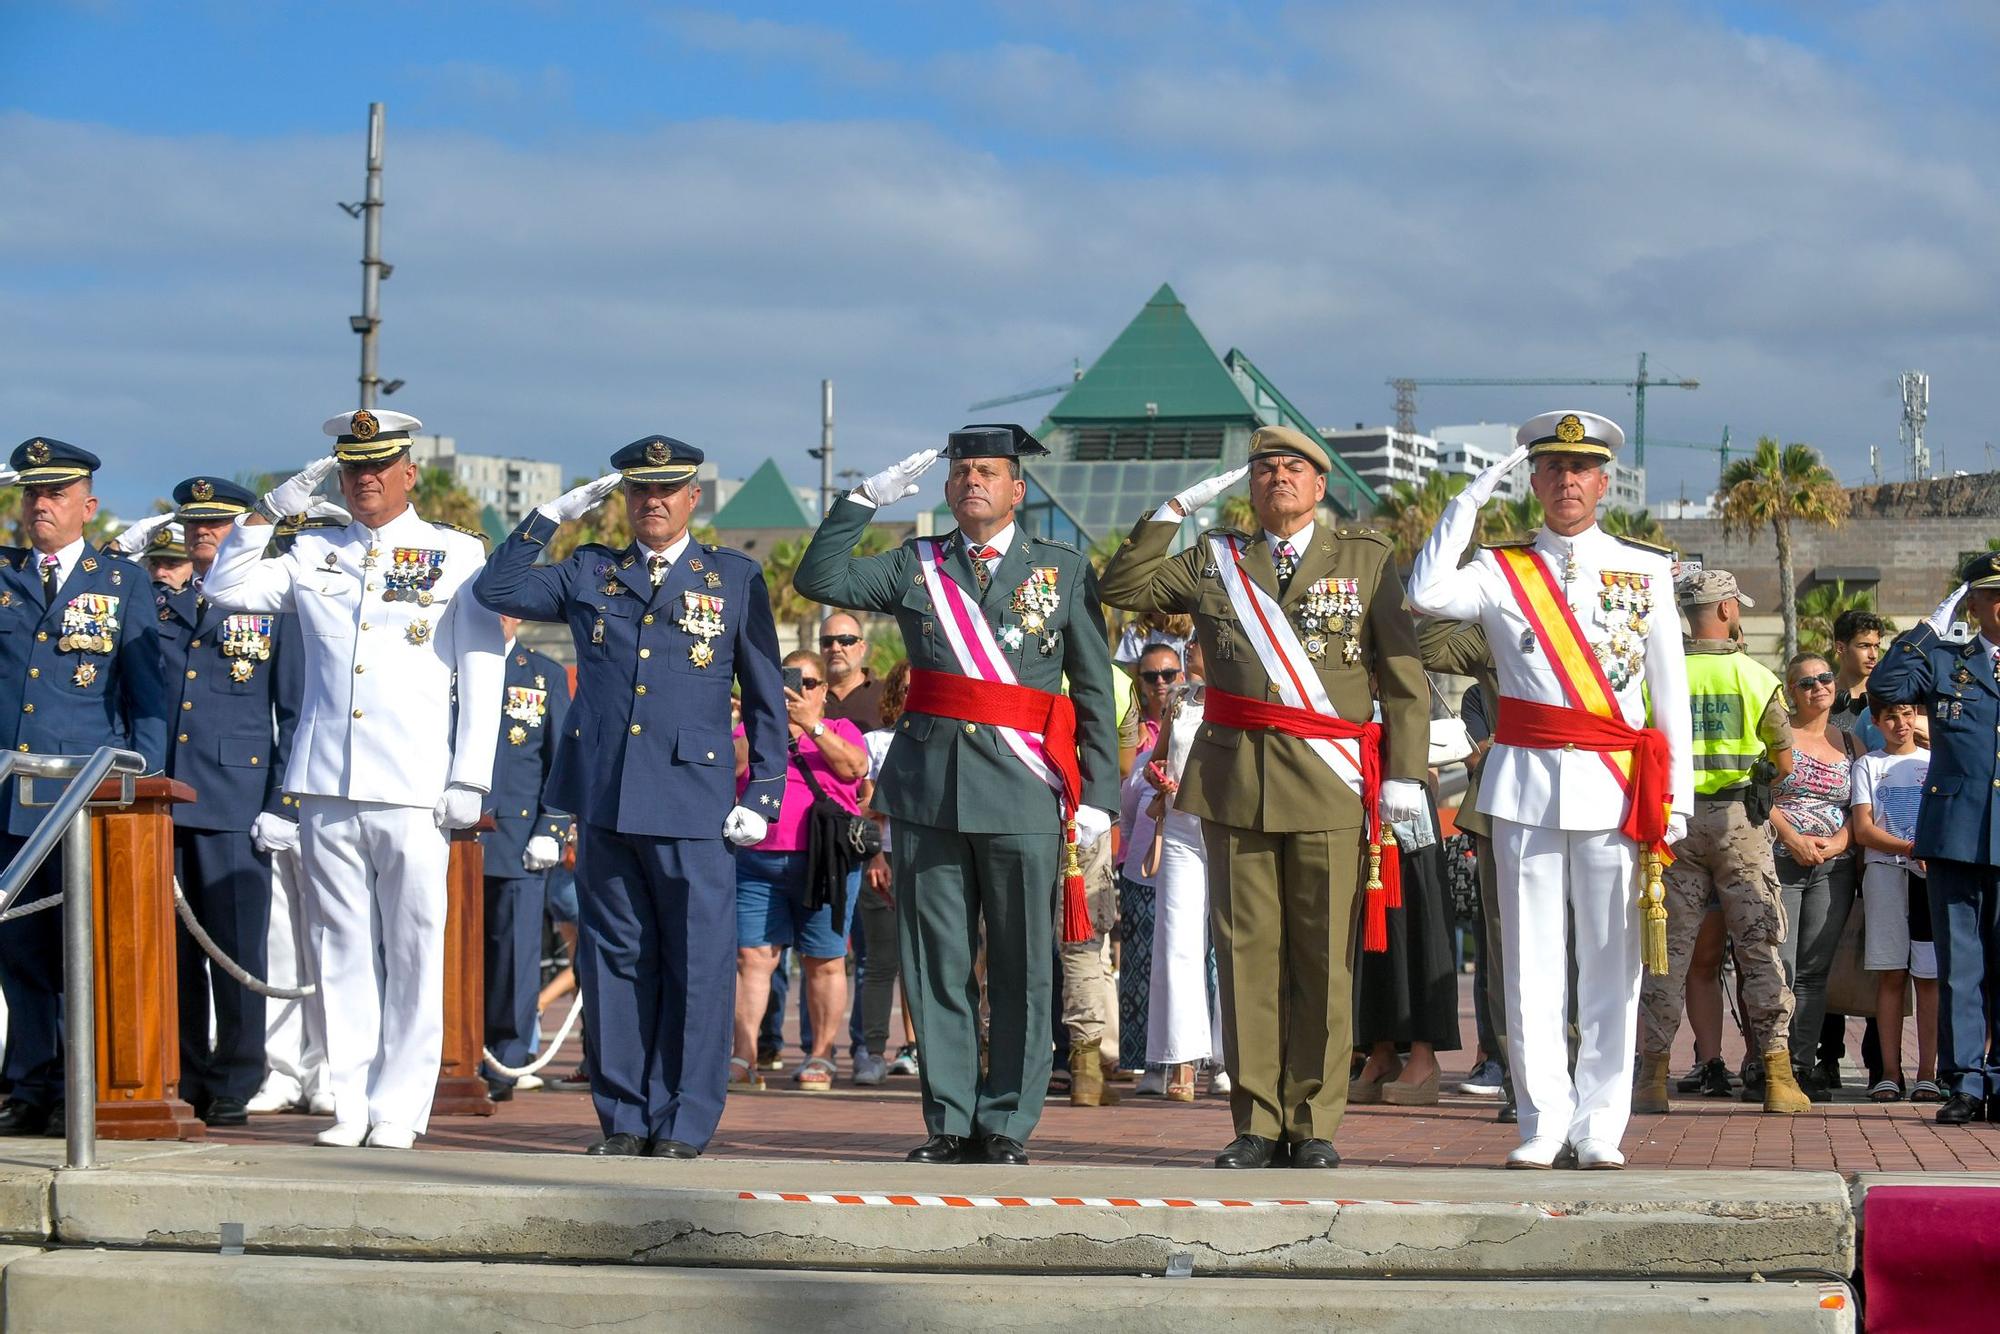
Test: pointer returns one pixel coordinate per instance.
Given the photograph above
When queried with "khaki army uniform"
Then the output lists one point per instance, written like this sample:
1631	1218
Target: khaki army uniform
1726	855
1285	837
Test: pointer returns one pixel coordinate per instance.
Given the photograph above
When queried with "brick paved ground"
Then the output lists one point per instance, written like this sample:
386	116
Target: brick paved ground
1848	1135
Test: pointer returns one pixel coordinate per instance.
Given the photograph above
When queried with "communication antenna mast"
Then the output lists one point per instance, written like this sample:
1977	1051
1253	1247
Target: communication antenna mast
1916	407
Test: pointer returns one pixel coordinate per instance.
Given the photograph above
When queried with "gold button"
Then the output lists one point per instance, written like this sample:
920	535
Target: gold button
645	653
647	619
906	724
357	713
1569	745
34	672
371	585
27	708
711	754
635	732
183	738
970	729
524	812
194	643
186	704
253	760
23	746
638	690
191	673
360	667
364	625
41	636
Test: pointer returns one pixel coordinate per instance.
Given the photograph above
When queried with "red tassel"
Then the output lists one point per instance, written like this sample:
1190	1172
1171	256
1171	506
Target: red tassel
1076	911
1375	927
1392	873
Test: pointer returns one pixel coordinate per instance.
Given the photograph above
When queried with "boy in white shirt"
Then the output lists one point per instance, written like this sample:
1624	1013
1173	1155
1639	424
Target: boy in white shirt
1888	788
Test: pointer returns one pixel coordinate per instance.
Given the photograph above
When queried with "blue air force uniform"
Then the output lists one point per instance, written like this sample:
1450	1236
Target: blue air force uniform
233	722
1958	834
82	668
531	720
647	765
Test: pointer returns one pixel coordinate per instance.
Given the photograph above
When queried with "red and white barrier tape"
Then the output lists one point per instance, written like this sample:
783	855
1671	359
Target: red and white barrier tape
881	1199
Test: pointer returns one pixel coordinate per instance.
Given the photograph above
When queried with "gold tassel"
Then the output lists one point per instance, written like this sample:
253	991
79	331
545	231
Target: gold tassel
1653	903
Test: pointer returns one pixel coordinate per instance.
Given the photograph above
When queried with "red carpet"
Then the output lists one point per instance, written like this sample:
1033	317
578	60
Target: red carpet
1930	1258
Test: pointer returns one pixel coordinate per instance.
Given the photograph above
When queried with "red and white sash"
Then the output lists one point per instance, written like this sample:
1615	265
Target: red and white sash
1283	657
980	656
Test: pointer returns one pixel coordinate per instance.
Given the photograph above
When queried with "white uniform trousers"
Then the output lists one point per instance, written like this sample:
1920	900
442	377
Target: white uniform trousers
1181	1025
1591	871
294	1030
377	875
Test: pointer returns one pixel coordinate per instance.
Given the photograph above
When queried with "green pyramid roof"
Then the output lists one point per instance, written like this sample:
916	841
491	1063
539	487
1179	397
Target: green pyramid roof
766	500
1161	359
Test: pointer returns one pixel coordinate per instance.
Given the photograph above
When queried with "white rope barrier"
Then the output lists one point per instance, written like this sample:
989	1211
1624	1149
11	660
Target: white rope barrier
548	1054
229	965
26	908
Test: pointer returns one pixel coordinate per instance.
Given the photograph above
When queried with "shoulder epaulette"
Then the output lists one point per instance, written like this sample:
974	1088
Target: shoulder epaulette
461	528
1503	546
1058	544
322	521
1366	535
1652	547
1222	530
717	549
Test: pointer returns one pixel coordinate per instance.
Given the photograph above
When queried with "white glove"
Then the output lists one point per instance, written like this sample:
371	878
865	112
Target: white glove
541	853
1092	823
896	481
459	807
270	832
1677	828
326	509
1202	493
1482	487
137	537
744	827
1947	610
1402	799
8	477
295	494
573	504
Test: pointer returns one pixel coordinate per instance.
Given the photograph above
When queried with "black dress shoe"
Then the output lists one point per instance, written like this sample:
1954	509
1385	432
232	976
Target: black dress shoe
58	1126
1509	1114
498	1091
1315	1153
1960	1108
1252	1151
672	1148
22	1118
944	1149
1001	1149
227	1112
620	1145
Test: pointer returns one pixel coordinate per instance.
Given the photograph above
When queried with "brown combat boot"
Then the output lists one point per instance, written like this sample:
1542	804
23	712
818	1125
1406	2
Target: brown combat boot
1649	1094
1086	1078
1781	1090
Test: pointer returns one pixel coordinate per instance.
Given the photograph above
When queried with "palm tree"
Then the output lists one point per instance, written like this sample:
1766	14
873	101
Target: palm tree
1514	520
1411	510
1821	607
1780	485
788	605
1636	524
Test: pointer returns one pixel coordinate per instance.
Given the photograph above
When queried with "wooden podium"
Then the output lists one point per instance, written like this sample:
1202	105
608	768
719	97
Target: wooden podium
138	1008
461	1090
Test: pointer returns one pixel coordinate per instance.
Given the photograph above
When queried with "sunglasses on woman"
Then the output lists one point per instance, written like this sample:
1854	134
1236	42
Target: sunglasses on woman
1808	682
1166	675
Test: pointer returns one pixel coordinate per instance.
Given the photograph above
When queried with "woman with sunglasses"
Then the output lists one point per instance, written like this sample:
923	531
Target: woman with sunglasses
1815	857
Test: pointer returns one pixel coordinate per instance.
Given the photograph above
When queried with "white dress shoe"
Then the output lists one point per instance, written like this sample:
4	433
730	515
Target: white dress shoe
527	1083
271	1099
342	1135
1218	1081
1598	1155
1539	1152
389	1135
320	1104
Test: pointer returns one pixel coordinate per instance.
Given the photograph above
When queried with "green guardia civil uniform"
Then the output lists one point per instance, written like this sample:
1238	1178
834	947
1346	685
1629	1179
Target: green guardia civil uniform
977	837
1287	854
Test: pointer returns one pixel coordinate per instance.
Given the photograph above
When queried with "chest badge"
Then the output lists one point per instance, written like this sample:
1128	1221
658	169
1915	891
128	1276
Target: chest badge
1036	600
1011	637
712	579
89	624
418	631
413	573
701	616
86	673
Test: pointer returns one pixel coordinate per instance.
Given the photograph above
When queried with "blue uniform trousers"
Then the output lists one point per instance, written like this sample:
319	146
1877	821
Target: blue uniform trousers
513	966
31	976
656	959
228	884
1965	922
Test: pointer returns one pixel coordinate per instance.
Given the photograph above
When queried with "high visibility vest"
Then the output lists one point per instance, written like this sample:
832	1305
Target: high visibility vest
1727	693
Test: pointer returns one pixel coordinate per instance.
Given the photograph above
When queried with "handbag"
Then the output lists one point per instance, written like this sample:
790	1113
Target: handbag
1451	743
837	841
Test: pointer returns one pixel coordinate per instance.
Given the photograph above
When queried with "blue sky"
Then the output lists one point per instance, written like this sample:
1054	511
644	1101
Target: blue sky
614	219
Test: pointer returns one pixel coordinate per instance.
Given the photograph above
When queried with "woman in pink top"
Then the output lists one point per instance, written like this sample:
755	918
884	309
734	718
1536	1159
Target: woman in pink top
771	889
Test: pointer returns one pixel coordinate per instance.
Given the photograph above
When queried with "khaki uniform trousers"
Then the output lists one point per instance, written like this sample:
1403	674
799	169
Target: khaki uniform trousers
1282	912
1726	854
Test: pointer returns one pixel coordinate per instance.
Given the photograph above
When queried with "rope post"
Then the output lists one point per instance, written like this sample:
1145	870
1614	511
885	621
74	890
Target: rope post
79	994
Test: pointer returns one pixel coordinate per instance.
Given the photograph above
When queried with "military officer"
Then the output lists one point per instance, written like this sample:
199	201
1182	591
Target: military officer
1958	827
166	556
382	764
990	773
1737	712
81	657
525	841
1294	621
1590	767
647	766
232	743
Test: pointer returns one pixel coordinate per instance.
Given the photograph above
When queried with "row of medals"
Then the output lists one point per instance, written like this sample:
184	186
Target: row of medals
246	641
89	625
1624	602
1330	607
412	571
701	618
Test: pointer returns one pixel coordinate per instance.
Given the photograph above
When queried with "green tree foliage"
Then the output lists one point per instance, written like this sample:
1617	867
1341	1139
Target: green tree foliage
1781	485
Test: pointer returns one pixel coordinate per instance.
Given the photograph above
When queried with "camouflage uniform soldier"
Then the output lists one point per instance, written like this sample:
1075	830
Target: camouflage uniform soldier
1739	715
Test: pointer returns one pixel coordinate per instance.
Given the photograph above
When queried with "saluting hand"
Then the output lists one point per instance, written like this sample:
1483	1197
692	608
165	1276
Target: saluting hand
294	495
898	480
578	501
1204	492
1947	610
1482	487
137	537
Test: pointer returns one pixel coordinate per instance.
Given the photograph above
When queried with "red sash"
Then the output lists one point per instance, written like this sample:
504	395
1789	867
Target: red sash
1255	715
1649	792
1048	715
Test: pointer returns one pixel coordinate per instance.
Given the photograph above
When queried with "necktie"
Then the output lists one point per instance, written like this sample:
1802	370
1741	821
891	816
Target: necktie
1287	561
656	567
981	555
49	564
1996	664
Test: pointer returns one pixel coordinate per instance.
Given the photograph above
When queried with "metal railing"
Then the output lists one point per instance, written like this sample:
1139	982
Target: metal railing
68	821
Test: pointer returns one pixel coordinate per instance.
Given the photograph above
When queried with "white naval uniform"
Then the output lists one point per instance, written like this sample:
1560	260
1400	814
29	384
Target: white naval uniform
294	1030
1556	816
375	749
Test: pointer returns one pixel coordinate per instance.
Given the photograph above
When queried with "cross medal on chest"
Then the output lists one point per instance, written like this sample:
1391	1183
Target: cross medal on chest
701	616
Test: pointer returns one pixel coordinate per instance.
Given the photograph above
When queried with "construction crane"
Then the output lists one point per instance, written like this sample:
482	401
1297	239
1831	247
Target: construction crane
1076	373
1724	450
1406	396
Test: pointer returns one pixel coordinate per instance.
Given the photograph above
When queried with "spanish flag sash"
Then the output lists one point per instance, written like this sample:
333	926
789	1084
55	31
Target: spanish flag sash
1637	756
